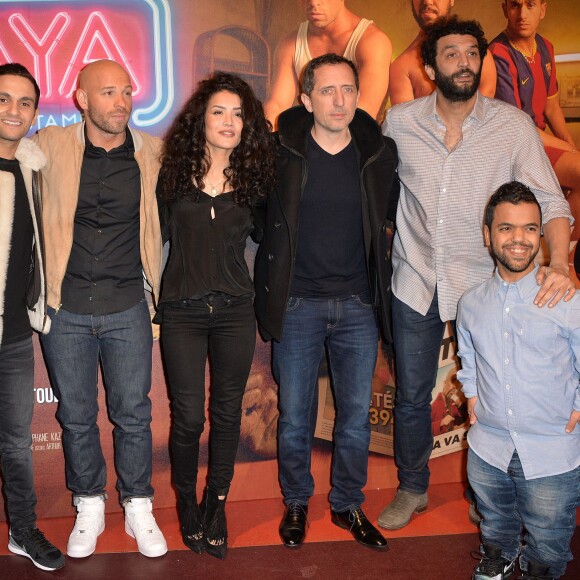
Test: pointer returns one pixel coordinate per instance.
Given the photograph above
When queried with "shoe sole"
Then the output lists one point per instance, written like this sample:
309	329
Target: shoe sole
292	546
84	554
20	552
129	532
343	527
419	510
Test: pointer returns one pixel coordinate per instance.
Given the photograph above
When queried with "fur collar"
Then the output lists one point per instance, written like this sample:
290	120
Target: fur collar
30	155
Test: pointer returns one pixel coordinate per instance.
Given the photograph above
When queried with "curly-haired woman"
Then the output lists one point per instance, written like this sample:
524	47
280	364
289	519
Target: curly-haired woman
217	168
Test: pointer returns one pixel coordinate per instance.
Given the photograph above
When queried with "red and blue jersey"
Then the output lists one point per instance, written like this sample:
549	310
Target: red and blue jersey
524	84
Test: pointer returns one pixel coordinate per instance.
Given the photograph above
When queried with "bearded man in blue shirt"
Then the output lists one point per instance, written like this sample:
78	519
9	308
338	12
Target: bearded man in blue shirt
520	374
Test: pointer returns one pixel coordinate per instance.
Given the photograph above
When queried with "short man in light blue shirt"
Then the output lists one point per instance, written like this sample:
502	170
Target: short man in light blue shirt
520	373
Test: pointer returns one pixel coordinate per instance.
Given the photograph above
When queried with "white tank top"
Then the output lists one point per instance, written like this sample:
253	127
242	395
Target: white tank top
302	55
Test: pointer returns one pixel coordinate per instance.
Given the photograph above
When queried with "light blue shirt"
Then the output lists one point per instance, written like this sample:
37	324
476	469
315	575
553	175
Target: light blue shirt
522	362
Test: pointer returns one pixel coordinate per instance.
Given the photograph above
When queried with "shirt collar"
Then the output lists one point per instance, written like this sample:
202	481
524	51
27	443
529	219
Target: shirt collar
127	145
526	286
477	113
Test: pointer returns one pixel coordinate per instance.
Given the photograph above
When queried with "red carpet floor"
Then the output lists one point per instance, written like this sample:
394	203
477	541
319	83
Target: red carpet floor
435	545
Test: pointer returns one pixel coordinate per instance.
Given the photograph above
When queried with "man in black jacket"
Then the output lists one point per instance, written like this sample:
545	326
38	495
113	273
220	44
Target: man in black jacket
323	279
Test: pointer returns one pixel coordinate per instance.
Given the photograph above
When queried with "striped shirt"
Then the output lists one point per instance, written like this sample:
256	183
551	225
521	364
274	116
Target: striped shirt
439	242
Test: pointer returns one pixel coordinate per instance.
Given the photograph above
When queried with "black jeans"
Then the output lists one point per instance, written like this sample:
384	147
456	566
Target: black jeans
225	329
16	408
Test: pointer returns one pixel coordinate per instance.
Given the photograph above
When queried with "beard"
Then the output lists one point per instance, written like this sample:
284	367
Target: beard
511	265
106	125
453	92
424	25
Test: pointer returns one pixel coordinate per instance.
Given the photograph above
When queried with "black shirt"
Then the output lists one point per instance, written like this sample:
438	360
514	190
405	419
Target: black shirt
15	318
104	272
330	253
207	254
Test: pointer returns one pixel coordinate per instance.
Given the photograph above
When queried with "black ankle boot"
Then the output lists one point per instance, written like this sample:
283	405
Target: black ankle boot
215	525
190	523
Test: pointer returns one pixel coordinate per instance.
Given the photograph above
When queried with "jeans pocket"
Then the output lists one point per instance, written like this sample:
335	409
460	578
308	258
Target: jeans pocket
293	303
363	300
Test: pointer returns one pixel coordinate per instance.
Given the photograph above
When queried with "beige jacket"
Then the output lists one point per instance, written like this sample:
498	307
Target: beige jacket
64	149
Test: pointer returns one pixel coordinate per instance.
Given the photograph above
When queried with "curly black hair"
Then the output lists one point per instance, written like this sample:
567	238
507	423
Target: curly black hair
185	159
446	27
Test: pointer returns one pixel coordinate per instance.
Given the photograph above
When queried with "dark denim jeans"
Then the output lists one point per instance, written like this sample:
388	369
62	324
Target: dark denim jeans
72	349
544	507
16	408
417	344
349	331
191	330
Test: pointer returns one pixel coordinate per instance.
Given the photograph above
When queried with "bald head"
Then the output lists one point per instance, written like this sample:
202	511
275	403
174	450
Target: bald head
94	72
105	96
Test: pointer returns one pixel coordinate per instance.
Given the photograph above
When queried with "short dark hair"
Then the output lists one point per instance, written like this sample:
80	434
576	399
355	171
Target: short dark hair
445	27
513	192
13	68
330	58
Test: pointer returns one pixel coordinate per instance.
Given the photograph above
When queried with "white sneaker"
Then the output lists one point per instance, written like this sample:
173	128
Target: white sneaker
89	524
140	524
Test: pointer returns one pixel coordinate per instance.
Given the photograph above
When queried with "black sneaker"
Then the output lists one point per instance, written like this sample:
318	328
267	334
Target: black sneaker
536	571
30	542
492	566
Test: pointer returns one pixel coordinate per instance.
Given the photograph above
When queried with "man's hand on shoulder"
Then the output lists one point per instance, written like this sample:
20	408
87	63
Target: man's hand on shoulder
555	284
574	420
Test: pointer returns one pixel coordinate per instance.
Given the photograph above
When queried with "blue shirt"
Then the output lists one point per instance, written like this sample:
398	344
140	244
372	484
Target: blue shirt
522	362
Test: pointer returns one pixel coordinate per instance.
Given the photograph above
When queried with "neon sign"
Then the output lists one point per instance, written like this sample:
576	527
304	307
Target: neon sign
55	39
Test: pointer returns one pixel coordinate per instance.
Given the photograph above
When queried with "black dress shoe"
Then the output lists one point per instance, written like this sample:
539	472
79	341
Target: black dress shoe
361	529
293	525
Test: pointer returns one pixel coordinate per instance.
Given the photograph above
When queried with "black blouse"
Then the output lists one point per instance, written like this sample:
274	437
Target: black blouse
207	253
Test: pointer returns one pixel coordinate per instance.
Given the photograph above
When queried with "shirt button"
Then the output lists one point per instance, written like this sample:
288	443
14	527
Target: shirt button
444	190
96	259
506	361
440	221
99	231
507	309
510	412
507	387
90	297
515	433
506	334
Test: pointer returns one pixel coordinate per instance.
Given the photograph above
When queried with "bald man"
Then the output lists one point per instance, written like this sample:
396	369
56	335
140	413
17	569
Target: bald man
102	232
408	79
331	28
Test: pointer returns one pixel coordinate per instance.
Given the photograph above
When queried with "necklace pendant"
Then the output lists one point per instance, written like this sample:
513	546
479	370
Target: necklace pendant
214	191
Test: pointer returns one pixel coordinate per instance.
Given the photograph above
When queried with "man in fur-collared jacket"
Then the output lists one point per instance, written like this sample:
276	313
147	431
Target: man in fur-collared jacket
22	305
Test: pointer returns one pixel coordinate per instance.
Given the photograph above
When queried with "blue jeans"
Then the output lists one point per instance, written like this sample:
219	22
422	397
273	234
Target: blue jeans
72	349
417	344
545	507
349	331
189	332
16	408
